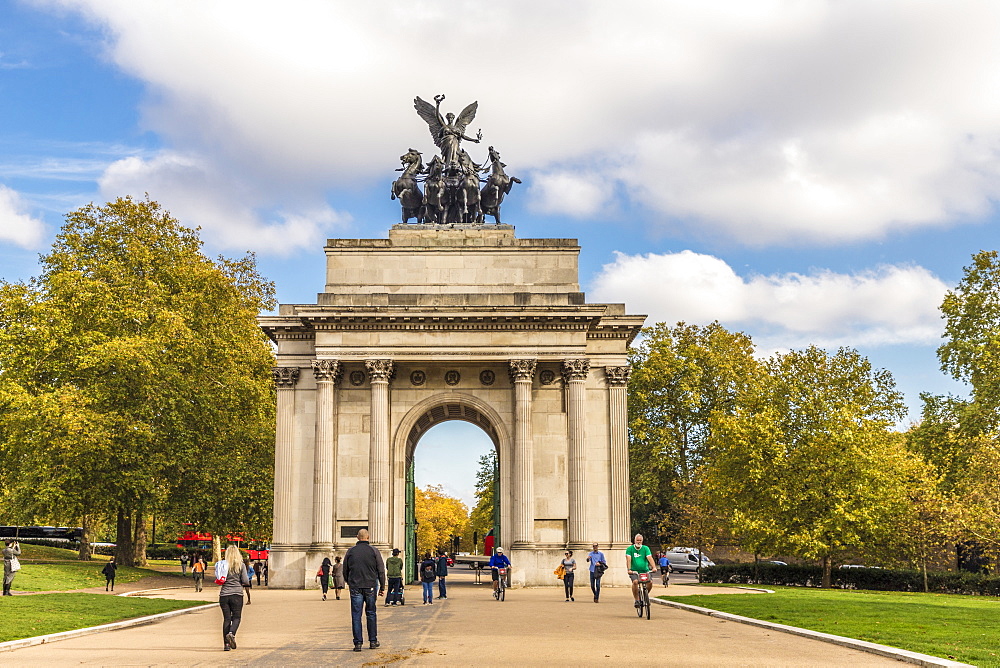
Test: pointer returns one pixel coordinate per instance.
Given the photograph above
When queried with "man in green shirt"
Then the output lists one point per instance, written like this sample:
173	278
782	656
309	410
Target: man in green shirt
394	573
638	559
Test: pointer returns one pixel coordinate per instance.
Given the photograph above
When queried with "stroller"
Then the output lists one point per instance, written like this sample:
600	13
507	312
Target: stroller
394	595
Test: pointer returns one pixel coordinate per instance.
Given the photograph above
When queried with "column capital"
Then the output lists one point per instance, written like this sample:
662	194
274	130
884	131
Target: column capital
327	370
522	369
576	369
617	375
380	369
285	377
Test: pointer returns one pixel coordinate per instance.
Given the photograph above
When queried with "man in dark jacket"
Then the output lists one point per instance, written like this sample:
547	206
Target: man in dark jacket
442	573
364	572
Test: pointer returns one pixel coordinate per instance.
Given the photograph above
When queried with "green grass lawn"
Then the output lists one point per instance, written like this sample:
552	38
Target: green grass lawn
963	628
27	616
71	575
31	552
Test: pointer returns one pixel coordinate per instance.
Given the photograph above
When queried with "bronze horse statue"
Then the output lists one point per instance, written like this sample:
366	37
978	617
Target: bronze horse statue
434	192
405	188
497	186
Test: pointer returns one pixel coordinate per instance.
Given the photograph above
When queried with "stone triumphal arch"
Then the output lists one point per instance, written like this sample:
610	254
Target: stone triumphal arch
450	322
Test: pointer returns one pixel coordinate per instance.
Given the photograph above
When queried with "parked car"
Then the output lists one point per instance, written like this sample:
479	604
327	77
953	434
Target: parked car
685	559
773	561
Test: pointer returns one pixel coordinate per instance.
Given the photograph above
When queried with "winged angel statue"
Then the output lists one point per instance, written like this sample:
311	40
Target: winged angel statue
447	132
452	181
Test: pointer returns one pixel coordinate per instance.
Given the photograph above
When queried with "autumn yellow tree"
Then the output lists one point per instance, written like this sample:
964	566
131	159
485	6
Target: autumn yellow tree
439	517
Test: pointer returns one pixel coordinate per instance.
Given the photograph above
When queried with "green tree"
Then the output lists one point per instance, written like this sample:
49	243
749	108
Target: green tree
808	466
972	330
681	376
481	517
439	517
134	377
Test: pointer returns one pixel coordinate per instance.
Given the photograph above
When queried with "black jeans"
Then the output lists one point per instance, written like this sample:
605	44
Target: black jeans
568	583
232	613
595	584
363	596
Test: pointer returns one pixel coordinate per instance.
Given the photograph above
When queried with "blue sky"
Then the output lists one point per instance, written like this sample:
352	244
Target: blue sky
805	171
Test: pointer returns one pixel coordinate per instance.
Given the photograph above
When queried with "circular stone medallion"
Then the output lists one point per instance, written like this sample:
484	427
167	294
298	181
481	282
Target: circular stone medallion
418	377
547	376
357	377
452	377
486	377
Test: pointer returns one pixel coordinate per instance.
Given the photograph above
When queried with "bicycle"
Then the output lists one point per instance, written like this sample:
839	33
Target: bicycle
644	585
498	593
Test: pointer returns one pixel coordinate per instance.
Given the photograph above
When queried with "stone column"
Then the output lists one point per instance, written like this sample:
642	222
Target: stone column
522	372
327	373
379	373
285	378
617	377
575	373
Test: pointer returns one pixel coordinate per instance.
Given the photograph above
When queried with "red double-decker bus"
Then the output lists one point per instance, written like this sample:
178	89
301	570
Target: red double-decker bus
195	541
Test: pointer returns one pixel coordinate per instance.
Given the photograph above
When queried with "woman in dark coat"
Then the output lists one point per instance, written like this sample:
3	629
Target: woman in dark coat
109	571
324	575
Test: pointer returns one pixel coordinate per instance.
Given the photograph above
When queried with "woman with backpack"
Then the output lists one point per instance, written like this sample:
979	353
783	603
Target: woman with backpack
231	574
428	573
198	571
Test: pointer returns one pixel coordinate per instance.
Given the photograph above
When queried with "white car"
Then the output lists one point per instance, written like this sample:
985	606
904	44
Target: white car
685	559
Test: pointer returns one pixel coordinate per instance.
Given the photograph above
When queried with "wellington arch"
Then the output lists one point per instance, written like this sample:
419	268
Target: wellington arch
450	322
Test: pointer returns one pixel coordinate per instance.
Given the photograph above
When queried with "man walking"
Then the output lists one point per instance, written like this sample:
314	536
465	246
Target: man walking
597	567
442	573
364	572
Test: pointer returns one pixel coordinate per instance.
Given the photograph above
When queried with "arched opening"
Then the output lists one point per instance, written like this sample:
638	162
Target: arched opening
449	456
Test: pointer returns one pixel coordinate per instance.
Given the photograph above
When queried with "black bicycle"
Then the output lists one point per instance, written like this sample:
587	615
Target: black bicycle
498	593
644	585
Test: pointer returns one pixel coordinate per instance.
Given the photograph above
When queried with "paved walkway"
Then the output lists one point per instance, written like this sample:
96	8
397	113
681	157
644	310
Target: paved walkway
532	627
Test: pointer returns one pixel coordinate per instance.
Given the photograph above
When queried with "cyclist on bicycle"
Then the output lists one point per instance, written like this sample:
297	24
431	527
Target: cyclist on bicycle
638	559
497	561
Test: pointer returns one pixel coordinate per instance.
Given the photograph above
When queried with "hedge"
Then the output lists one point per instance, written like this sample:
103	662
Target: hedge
878	579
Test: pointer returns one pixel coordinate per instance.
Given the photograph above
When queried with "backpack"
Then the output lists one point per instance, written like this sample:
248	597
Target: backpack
427	573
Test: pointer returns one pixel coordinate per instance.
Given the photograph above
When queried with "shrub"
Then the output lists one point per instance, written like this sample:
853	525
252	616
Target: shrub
877	579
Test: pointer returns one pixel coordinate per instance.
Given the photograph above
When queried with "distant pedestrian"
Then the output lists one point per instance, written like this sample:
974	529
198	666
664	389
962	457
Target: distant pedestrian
394	572
428	573
249	579
598	564
198	571
364	571
11	564
233	576
323	575
442	573
257	568
337	574
267	571
184	563
109	571
569	574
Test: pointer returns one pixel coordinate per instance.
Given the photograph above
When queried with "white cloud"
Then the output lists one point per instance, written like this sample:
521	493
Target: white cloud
883	306
17	226
771	121
227	209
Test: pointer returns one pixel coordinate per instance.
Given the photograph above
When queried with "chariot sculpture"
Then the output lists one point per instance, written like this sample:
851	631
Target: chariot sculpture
455	192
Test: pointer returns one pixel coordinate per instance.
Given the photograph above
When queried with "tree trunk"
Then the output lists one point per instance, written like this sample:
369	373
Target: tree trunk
139	542
827	572
85	550
216	548
124	553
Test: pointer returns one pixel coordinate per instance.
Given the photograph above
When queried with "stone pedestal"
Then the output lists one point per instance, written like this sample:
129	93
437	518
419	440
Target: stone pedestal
440	323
